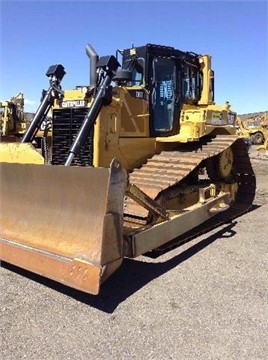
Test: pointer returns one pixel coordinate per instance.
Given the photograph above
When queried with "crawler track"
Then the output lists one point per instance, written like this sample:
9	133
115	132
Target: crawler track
167	169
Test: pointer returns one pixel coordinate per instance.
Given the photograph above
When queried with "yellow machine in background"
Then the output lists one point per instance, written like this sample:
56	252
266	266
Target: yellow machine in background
255	129
141	156
12	121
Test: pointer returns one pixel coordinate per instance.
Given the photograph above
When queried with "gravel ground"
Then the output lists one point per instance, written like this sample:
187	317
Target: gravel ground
204	300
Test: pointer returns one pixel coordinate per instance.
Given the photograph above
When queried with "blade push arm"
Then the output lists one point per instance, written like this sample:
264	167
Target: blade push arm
55	74
106	68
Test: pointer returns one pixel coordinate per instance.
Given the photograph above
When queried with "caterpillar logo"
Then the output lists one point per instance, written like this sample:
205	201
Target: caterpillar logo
73	103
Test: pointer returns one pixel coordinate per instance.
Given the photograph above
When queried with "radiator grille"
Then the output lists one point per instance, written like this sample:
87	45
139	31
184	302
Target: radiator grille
66	124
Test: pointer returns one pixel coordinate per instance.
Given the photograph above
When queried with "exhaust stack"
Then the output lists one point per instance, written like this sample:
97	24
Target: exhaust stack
91	53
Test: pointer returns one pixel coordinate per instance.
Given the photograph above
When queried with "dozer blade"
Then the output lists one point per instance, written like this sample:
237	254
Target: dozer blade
65	223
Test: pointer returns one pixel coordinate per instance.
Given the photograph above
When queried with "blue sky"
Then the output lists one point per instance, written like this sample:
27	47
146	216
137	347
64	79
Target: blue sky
37	34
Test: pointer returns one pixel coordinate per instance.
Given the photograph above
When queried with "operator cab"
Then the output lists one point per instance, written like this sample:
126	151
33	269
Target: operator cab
167	78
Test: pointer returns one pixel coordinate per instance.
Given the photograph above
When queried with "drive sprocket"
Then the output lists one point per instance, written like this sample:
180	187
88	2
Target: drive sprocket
221	166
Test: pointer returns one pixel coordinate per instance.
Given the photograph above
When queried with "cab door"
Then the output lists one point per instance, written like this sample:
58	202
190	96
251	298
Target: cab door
164	103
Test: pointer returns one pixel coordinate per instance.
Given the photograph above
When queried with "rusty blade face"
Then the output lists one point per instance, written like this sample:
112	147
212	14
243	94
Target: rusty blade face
63	222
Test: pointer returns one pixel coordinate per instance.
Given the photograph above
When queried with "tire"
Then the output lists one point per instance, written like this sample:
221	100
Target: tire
257	138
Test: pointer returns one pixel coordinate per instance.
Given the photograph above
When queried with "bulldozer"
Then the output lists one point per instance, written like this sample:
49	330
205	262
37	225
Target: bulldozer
12	122
141	157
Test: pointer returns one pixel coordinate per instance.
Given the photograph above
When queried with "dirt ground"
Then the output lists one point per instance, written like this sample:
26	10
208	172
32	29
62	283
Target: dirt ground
205	300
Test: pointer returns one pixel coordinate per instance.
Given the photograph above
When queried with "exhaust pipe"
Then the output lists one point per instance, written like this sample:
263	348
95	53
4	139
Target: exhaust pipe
91	53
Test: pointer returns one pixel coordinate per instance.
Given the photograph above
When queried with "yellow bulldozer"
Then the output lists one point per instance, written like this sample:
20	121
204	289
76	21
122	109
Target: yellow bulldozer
139	157
12	121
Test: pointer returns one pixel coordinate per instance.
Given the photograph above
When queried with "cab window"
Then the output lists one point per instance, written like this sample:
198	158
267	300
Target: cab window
163	99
